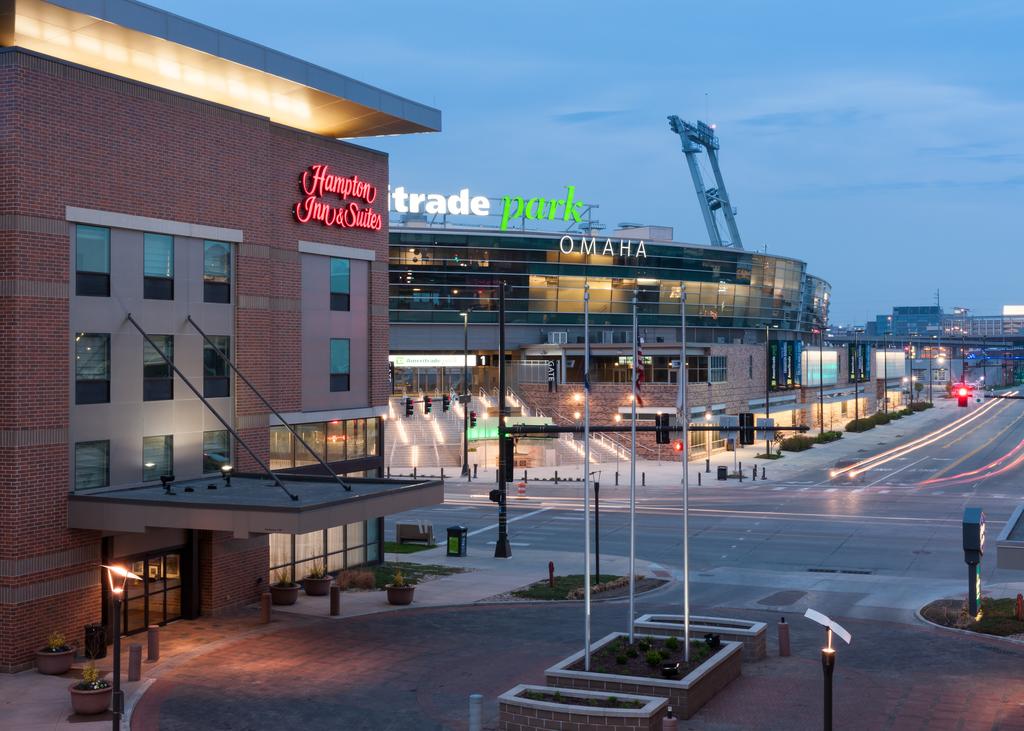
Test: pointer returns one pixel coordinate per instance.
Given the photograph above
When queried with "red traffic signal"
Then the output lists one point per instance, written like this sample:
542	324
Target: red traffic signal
677	446
963	391
408	407
446	403
427	404
472	419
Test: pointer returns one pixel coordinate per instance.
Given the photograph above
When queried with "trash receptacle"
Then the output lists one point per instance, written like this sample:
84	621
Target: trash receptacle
457	540
723	473
95	641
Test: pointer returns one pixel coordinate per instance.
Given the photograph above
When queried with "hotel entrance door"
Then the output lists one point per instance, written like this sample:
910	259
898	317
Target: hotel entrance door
156	599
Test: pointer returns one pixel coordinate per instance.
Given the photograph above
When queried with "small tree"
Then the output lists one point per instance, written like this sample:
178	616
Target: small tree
919	387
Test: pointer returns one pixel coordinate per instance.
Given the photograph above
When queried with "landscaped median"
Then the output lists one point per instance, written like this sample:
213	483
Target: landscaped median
652	666
999	617
538	707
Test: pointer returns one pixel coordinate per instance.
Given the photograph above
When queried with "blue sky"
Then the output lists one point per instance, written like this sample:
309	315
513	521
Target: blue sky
879	142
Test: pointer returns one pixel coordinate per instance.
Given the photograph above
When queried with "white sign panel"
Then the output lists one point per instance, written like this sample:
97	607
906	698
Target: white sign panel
430	360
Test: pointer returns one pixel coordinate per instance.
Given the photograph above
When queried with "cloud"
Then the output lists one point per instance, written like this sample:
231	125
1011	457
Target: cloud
809	118
593	115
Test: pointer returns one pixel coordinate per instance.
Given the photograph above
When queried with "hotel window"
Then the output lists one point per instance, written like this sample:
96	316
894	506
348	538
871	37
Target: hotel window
92	261
215	369
157	267
92	464
340	276
157	457
339	364
313	435
717	369
216	450
92	368
216	272
157	375
697	369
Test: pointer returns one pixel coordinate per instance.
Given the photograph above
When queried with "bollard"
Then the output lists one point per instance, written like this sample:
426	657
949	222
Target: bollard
740	471
551	574
753	472
134	662
643	479
474	470
783	638
442	474
414	473
475	702
762	472
153	643
698	479
389	472
616	478
1018	610
265	608
335	600
707	465
524	476
669	722
556	477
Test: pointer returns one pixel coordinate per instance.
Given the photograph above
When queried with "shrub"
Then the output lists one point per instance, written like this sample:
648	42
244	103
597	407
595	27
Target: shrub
356	580
859	425
56	643
620	659
398	580
672	643
644	645
631	652
797	443
653	658
91	679
318	571
283	577
880	418
905	412
920	406
828	436
894	415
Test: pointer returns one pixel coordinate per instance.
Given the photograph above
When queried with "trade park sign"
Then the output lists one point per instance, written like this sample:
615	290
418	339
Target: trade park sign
512	206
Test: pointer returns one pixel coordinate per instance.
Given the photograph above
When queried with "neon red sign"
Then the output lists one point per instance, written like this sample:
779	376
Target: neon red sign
317	181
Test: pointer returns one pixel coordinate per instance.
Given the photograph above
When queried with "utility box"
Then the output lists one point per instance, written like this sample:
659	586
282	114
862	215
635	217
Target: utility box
974	534
457	540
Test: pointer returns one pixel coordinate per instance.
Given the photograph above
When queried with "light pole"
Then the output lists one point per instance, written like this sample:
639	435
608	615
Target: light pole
618	452
767	386
821	375
465	393
116	592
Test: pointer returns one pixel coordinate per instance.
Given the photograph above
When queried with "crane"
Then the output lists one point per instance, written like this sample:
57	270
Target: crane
695	138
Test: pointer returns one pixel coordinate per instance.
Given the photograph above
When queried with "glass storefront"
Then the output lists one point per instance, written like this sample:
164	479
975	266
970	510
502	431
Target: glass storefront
338	548
156	598
438	274
334	441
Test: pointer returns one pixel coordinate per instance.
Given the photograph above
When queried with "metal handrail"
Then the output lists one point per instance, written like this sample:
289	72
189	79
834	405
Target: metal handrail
213	411
267	404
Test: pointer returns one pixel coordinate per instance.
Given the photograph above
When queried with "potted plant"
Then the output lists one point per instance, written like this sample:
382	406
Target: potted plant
284	591
91	694
317	581
399	591
56	657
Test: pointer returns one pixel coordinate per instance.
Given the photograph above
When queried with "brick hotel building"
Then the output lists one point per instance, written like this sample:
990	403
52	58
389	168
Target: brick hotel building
173	194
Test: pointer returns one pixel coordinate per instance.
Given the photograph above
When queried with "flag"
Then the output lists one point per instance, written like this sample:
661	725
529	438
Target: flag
586	371
638	369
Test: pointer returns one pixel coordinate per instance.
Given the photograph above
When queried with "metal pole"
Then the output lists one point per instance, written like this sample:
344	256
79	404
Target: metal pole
632	482
821	375
828	666
465	394
212	410
930	360
885	380
857	370
683	414
767	381
266	403
117	698
502	548
597	531
586	477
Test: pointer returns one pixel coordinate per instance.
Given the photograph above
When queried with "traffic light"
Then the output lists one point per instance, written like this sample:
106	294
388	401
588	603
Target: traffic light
661	422
746	428
408	406
446	403
677	446
962	395
472	419
427	404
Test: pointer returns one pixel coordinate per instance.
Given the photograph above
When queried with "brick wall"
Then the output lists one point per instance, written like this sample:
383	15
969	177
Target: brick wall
232	571
73	137
515	717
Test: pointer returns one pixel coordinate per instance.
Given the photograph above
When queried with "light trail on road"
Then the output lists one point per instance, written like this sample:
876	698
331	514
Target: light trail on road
870	463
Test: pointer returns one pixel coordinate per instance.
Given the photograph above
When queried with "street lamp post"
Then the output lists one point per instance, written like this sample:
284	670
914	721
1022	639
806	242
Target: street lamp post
116	593
767	384
821	375
465	393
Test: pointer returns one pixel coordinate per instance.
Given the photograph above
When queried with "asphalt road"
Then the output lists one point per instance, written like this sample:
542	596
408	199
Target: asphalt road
875	538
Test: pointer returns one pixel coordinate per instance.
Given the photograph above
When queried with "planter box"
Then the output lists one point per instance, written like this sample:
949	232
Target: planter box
753	635
90	702
516	713
686	695
54	663
317	587
284	595
400	595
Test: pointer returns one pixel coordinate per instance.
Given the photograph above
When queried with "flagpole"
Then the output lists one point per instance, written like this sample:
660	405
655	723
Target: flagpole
683	416
632	482
586	476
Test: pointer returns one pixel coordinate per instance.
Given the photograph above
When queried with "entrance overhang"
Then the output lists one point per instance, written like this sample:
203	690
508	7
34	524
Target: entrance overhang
250	505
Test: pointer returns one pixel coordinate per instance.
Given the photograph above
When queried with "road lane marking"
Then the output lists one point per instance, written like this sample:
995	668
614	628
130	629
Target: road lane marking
509	520
886	477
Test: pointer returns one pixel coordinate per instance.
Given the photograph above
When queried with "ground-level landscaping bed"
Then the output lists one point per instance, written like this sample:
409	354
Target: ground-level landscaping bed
377	577
570	587
652	666
753	635
998	616
540	707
